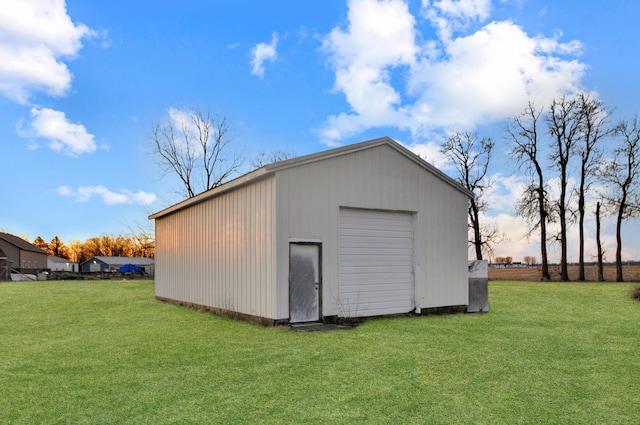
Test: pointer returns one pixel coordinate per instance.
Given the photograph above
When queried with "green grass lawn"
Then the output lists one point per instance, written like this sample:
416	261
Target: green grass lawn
106	352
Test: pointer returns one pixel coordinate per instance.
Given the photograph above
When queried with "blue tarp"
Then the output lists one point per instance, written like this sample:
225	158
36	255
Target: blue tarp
131	268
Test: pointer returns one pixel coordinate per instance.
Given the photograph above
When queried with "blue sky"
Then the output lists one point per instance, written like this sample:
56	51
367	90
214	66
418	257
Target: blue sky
82	85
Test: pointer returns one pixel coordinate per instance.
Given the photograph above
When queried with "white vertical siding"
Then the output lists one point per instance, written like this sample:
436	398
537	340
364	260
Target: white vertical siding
376	263
309	198
231	251
220	252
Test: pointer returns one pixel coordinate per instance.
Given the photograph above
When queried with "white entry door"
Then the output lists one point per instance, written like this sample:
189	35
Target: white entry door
376	263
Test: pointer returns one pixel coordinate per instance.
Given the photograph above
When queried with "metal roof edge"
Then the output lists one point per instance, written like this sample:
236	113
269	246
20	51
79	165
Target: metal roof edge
250	177
272	168
433	169
326	154
21	244
385	140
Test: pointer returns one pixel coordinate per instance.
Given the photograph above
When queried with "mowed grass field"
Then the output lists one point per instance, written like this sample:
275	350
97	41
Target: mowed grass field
107	352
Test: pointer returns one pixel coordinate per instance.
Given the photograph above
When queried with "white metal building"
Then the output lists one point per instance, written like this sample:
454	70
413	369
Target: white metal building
59	264
363	230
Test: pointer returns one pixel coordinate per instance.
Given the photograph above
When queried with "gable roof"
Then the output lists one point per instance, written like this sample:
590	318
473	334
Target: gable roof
56	259
270	169
120	261
21	243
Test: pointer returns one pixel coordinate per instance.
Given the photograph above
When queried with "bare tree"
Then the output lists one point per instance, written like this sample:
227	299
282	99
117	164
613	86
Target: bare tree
563	122
622	174
533	206
198	150
593	128
142	238
264	158
471	158
600	254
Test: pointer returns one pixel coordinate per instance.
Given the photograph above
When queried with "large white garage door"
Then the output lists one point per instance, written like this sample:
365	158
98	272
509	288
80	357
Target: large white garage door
376	263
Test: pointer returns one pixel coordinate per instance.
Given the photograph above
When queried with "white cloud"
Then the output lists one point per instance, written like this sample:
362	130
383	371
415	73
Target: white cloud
263	52
448	16
501	199
183	121
180	118
461	79
35	36
462	9
63	136
431	153
380	36
517	245
488	76
85	193
380	33
505	192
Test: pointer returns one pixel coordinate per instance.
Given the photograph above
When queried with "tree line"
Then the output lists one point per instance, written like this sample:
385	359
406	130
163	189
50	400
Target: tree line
559	148
199	150
569	173
134	245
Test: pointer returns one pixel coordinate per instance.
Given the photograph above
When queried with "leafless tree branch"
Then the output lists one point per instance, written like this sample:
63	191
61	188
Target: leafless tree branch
197	150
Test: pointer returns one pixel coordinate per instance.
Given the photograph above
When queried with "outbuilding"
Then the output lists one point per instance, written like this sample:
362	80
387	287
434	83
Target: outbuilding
59	264
363	230
101	263
21	256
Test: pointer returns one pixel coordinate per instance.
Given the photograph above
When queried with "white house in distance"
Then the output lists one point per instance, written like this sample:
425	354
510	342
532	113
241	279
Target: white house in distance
363	230
59	264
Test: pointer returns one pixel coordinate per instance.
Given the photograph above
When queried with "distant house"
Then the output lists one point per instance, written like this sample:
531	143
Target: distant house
59	264
113	264
363	230
22	256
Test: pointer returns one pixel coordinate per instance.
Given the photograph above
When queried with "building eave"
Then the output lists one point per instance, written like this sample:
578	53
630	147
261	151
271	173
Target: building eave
243	180
273	168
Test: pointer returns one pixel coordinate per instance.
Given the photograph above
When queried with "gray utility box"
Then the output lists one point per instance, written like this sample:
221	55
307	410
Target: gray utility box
478	287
